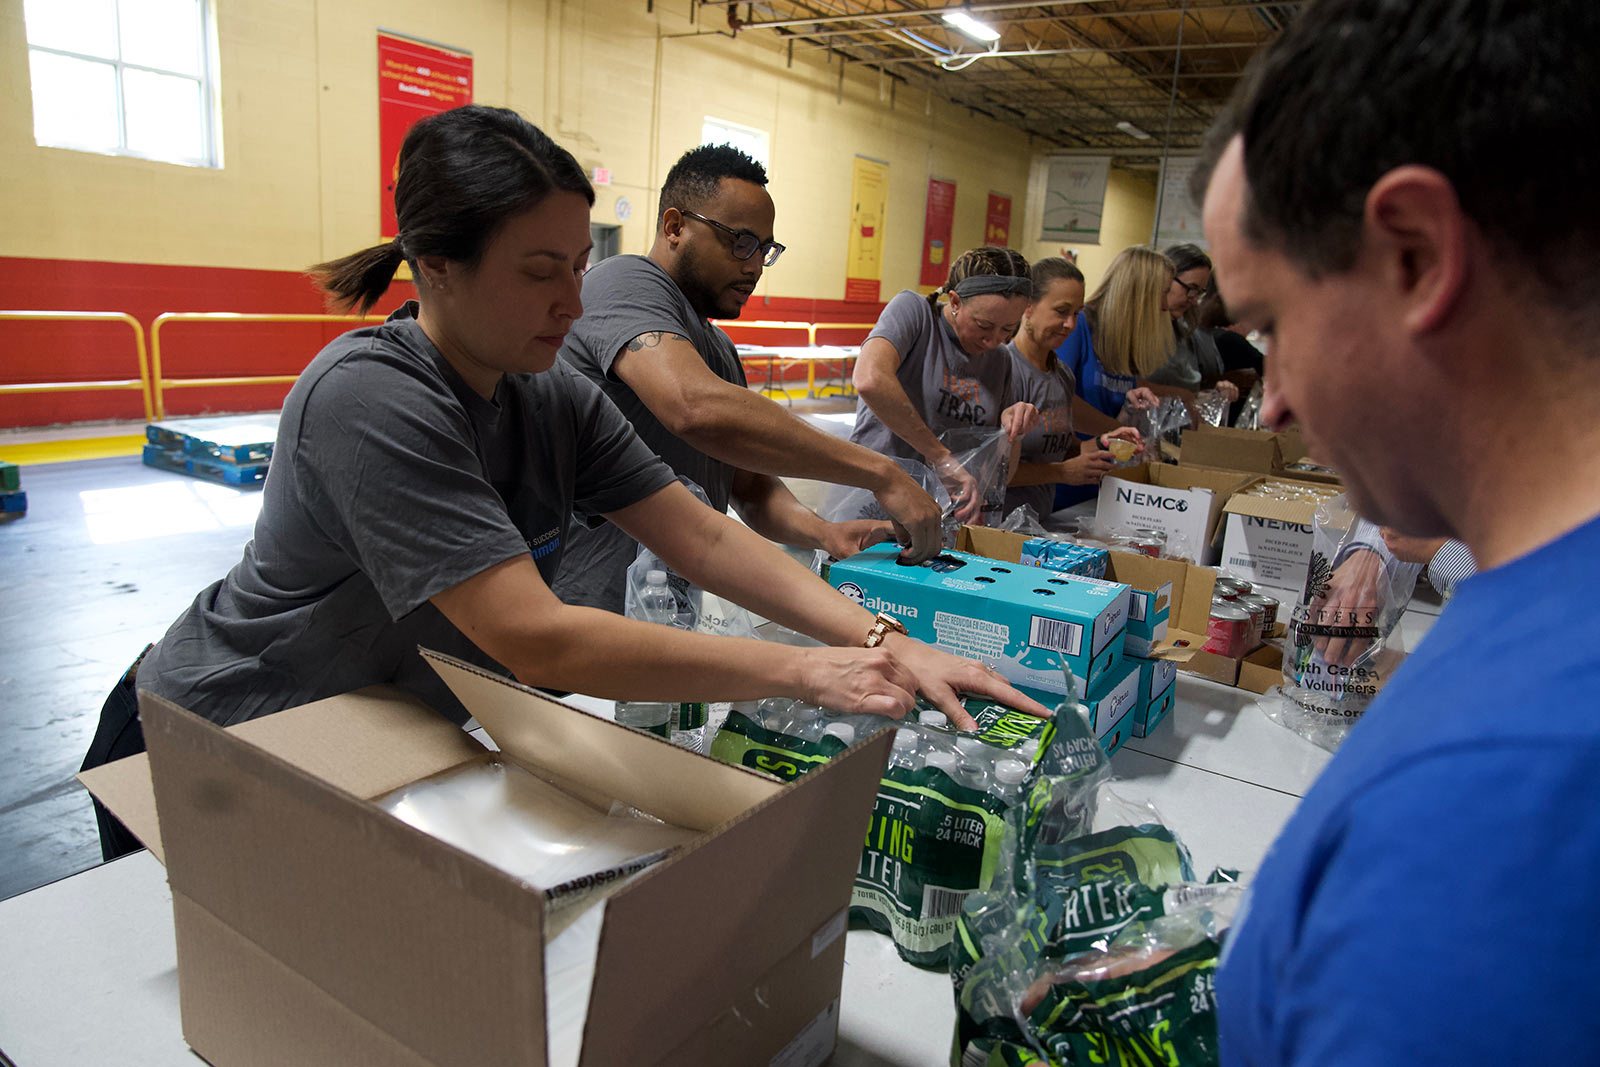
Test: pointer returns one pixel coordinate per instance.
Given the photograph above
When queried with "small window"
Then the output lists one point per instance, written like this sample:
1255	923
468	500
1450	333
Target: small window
125	78
751	142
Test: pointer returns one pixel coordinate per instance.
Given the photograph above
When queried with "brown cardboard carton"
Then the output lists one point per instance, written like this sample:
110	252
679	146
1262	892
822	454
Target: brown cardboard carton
1268	542
1225	448
315	928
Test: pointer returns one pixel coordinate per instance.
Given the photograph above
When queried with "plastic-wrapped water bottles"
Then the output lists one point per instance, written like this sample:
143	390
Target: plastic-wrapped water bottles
842	732
973	760
933	717
907	751
1008	776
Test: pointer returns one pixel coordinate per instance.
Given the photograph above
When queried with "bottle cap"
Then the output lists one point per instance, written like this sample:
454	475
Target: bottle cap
969	746
655	577
933	717
1010	771
945	761
842	730
904	738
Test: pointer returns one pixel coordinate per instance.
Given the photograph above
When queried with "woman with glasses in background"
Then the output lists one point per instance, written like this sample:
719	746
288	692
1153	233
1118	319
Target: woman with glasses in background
1195	364
930	367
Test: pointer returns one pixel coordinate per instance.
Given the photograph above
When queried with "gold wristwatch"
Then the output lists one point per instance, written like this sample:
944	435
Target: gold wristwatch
882	627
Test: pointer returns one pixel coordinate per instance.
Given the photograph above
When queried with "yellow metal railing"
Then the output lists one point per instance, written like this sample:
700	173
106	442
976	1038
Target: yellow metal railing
161	384
141	383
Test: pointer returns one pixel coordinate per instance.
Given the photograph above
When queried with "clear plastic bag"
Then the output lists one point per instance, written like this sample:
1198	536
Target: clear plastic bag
1249	417
1161	426
1024	520
1343	640
985	454
1211	407
846	503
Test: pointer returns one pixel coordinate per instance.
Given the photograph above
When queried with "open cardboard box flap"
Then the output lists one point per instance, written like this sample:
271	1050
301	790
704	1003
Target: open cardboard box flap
274	850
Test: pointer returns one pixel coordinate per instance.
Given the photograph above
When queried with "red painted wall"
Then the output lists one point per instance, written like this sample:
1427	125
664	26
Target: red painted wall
55	351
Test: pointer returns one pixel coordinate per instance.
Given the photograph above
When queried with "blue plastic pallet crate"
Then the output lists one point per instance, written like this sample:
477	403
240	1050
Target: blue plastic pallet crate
214	470
241	440
14	503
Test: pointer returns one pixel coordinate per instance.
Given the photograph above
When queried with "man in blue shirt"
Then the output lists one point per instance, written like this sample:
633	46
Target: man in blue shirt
1429	292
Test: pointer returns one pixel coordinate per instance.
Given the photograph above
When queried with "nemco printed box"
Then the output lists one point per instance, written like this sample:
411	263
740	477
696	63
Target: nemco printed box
316	927
1024	620
1182	502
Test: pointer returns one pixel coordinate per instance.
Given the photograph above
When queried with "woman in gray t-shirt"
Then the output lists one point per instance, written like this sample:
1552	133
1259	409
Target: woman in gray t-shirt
928	368
1051	453
426	472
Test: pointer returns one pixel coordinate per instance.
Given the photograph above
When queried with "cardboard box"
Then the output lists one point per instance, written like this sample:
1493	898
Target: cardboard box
1158	692
1183	502
1117	733
1261	669
1256	451
1025	620
1268	542
315	928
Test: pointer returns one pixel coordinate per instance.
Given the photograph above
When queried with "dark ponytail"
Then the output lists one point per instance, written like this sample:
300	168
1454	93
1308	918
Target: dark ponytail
359	280
463	173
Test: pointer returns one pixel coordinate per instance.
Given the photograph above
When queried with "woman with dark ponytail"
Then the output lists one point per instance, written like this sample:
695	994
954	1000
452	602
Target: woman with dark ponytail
427	470
927	367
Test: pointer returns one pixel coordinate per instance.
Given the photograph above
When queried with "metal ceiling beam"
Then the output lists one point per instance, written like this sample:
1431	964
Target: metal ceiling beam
878	16
1026	20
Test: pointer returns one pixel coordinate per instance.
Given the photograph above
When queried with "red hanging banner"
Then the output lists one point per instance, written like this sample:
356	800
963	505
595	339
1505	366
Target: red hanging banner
414	80
997	221
936	227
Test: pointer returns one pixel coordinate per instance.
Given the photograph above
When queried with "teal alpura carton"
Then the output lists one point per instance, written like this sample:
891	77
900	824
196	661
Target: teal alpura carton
1026	621
1158	691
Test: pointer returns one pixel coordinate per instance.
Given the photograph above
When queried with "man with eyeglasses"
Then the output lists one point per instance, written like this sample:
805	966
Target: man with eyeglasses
646	339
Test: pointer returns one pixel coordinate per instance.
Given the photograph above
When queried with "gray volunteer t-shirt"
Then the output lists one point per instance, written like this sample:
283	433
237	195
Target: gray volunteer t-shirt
392	481
623	298
1051	392
947	387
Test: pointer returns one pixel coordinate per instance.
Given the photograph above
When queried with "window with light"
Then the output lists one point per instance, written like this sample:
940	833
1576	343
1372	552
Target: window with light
125	77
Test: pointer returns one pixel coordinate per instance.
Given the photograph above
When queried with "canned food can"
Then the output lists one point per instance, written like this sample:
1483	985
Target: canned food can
1226	588
1228	629
1269	606
1258	618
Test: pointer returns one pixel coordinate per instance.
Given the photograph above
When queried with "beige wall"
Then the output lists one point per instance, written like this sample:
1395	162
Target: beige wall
1130	214
300	142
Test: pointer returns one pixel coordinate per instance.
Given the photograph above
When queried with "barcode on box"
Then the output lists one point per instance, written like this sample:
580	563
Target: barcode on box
939	903
1056	635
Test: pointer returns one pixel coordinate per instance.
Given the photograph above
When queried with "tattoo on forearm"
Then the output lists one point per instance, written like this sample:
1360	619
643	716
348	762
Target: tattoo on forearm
654	338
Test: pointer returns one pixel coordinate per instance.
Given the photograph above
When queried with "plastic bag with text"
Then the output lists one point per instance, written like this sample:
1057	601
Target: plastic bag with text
1092	943
1343	640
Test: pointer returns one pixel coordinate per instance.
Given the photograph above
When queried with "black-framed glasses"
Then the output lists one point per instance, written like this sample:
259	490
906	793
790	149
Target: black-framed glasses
1195	291
745	243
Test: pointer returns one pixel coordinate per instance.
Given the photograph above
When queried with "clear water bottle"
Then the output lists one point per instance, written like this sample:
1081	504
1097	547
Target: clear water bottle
1029	750
773	712
657	602
803	721
842	732
972	763
906	755
689	725
1008	776
933	717
943	761
650	716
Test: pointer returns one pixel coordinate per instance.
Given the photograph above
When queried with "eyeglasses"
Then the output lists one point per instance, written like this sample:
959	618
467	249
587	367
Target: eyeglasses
1195	291
745	243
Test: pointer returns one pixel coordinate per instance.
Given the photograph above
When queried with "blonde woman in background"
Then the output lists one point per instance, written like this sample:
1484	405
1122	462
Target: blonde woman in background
930	367
1122	335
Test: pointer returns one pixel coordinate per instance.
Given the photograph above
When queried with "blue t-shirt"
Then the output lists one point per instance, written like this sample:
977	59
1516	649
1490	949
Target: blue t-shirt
1101	388
1433	899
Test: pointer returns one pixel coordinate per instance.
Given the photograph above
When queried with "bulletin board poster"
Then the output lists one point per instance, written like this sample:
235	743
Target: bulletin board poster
936	227
1177	215
415	79
997	221
869	199
1075	198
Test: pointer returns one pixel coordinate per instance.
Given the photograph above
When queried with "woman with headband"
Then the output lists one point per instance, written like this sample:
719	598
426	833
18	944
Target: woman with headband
929	367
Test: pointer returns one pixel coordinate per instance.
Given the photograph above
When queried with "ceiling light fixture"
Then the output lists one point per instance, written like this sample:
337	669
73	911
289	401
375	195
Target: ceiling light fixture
978	31
1132	131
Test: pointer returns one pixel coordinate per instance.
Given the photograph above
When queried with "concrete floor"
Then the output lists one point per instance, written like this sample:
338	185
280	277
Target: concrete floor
109	553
